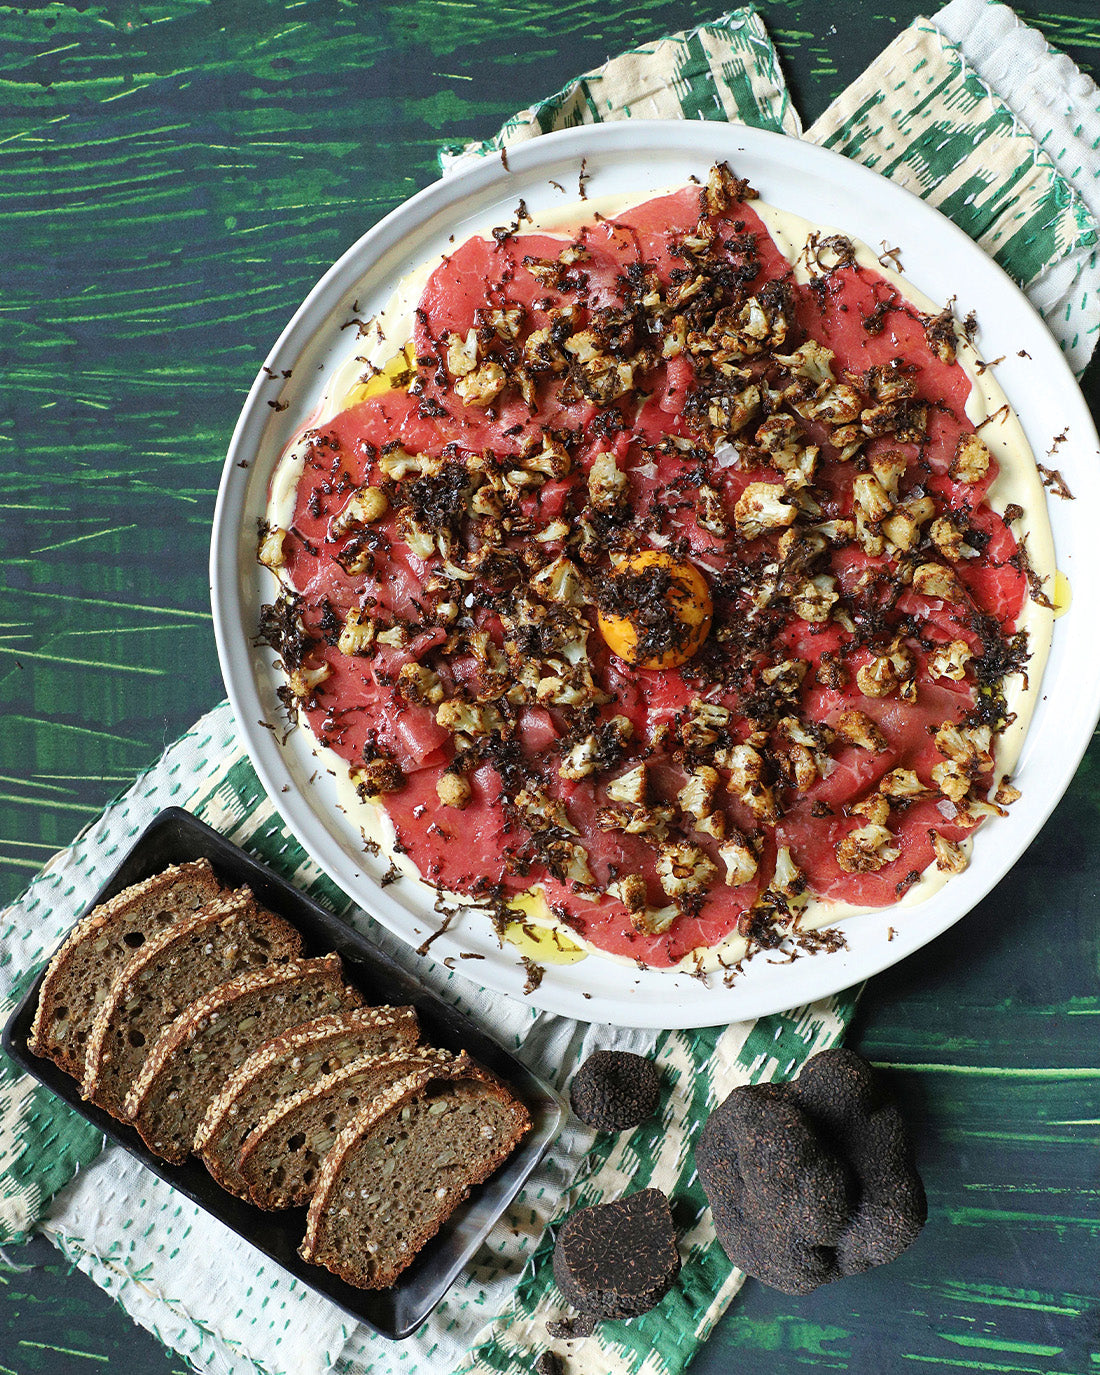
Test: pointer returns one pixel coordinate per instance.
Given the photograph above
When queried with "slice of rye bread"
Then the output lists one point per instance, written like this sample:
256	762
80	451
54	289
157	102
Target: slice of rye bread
186	960
99	947
281	1159
282	1066
402	1165
195	1054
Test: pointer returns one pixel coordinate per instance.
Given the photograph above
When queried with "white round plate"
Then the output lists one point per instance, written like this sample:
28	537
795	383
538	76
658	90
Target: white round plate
635	158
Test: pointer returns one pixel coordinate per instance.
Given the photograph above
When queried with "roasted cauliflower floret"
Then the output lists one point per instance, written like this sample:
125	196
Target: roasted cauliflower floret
810	360
271	553
363	507
630	891
419	540
950	540
763	324
937	580
419	684
377	776
482	386
462	353
901	783
814	598
304	680
951	858
357	636
541	354
453	790
889	466
761	507
629	786
966	751
729	412
866	849
878	678
704	723
950	661
902	527
740	861
857	728
875	809
607	483
746	780
398	464
505	322
709	511
696	797
787	880
684	870
569	862
560	581
871	497
745	765
552	460
468	718
540	810
581	759
971	460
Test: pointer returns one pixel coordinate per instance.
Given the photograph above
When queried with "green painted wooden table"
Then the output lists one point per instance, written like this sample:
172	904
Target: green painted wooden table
174	177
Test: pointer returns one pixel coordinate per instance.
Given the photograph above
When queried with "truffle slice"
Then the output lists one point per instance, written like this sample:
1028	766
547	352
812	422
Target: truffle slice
617	1260
615	1089
812	1180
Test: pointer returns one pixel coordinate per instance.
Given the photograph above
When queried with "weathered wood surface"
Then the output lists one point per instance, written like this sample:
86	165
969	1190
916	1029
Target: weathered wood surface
173	179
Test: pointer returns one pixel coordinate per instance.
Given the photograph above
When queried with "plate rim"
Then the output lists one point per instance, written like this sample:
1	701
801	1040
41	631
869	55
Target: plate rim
835	971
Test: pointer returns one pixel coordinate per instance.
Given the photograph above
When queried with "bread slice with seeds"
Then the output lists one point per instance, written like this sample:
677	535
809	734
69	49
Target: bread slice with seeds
190	957
280	1067
195	1054
281	1159
100	946
445	1131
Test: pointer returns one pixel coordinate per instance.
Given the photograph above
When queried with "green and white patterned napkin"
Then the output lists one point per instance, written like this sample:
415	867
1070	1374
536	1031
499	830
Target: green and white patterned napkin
970	128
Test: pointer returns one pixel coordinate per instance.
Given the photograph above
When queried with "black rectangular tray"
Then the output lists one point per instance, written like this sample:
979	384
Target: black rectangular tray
174	837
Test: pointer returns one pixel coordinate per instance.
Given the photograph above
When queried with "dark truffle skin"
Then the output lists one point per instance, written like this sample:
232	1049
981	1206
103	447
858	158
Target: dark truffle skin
812	1180
616	1260
614	1090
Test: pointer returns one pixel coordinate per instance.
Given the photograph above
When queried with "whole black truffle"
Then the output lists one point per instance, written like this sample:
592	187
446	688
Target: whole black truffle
616	1260
812	1180
614	1090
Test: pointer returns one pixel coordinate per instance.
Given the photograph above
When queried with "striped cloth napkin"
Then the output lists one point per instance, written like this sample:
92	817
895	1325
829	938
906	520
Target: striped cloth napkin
973	112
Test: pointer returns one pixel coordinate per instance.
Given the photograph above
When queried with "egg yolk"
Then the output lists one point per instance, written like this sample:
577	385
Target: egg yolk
656	622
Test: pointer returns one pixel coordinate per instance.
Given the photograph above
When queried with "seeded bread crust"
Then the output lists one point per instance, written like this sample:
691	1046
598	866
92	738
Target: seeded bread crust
279	1172
194	1054
335	1241
186	960
281	1066
99	947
